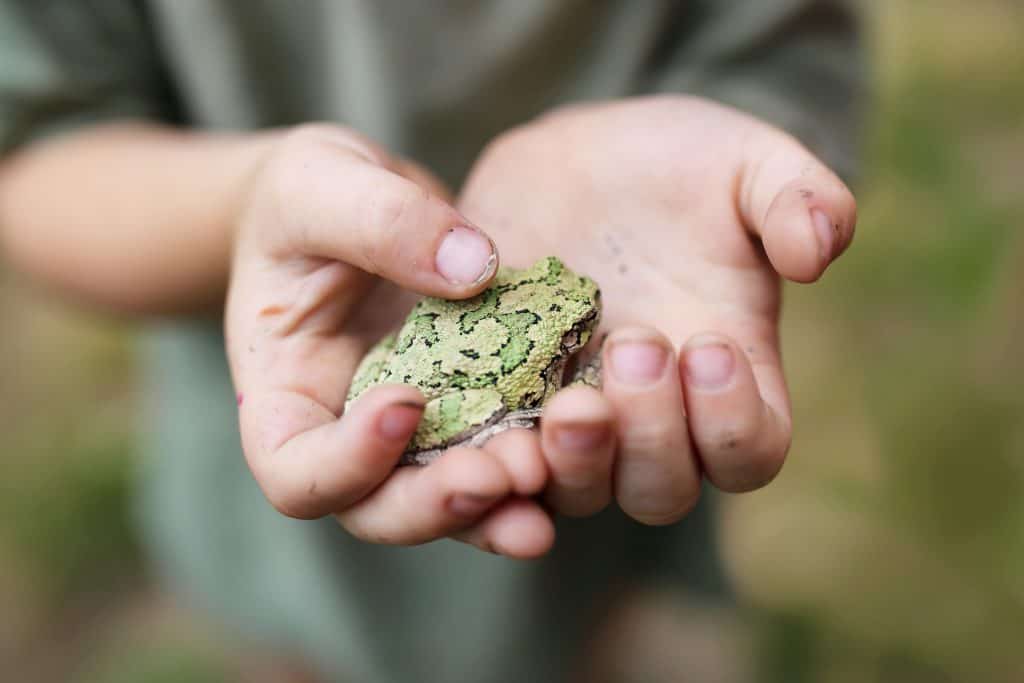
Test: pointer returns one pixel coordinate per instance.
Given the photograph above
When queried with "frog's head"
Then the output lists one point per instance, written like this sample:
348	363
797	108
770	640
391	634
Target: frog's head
575	303
550	313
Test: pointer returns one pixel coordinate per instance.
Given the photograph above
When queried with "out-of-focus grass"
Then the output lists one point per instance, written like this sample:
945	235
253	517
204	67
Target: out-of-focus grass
67	547
890	549
163	663
77	601
155	654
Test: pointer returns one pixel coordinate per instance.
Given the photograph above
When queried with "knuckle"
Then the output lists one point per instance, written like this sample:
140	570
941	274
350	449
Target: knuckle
508	144
310	134
392	205
652	436
358	528
301	141
389	212
661	491
324	136
569	114
295	157
307	137
282	177
661	513
290	501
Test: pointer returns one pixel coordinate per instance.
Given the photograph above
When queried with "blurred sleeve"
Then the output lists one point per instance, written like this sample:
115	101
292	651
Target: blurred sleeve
798	64
68	63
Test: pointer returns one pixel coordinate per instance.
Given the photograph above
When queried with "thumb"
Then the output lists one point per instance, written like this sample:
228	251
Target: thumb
325	194
801	210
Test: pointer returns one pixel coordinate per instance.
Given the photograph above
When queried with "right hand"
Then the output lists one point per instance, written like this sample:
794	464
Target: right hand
334	239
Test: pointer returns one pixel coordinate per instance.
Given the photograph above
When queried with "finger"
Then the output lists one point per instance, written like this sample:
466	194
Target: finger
803	212
517	528
739	413
424	178
310	463
519	451
420	504
339	201
578	438
657	480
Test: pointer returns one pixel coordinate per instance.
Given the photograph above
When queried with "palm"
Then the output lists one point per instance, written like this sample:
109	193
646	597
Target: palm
654	223
661	200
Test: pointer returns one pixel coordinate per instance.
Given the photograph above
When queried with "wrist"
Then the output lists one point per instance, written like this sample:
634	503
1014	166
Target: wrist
245	157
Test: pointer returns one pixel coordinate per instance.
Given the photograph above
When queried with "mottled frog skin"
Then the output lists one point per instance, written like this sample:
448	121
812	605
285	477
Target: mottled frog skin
487	363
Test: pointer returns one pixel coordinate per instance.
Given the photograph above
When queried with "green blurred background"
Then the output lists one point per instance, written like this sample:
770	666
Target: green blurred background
890	549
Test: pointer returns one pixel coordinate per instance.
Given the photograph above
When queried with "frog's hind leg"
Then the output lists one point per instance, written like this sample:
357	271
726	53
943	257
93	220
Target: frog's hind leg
370	368
520	419
465	417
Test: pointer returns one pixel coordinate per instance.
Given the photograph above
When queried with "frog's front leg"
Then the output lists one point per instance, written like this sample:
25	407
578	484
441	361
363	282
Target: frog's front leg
588	373
460	417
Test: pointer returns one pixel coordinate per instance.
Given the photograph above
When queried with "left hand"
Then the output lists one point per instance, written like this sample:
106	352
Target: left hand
686	213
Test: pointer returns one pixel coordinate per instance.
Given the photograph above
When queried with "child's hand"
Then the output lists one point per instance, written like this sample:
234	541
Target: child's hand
686	213
331	225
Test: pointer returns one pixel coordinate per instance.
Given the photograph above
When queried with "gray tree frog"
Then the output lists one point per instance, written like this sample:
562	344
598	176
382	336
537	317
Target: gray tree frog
487	363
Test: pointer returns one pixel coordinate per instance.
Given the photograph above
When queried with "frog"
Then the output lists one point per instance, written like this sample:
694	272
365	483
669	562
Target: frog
490	362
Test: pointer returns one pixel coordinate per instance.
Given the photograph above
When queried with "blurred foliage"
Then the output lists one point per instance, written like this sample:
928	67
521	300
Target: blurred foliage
72	524
167	660
890	549
67	543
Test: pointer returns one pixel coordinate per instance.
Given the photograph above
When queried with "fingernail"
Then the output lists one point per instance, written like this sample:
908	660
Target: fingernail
399	421
709	363
470	505
466	256
824	231
580	437
638	363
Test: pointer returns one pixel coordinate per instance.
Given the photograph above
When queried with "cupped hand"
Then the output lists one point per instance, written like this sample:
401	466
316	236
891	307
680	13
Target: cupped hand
334	239
686	213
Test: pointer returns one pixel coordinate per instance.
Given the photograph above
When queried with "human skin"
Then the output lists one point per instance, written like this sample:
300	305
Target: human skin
689	214
322	240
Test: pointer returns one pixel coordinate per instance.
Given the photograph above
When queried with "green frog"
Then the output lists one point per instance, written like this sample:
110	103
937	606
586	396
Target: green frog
488	363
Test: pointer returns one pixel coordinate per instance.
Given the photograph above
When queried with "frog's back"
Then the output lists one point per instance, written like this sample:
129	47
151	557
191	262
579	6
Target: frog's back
505	338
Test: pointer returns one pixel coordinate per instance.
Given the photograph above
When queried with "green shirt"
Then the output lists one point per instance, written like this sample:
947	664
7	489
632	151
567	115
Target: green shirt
432	81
